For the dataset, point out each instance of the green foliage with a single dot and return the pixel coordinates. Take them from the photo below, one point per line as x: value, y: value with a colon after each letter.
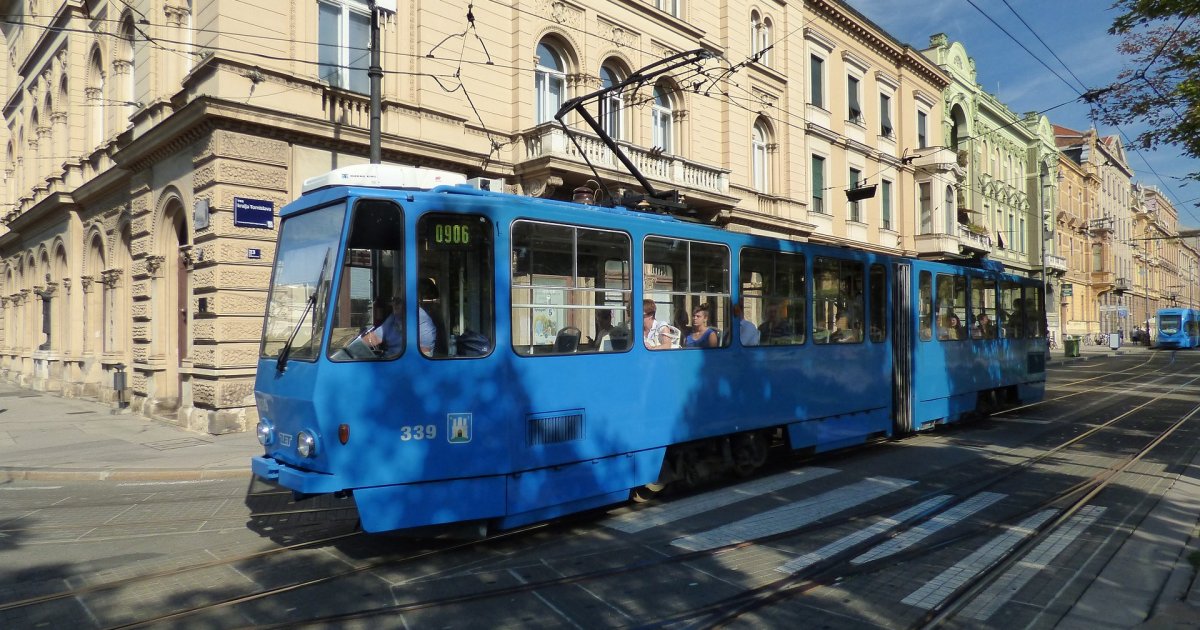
x: 1160, y: 88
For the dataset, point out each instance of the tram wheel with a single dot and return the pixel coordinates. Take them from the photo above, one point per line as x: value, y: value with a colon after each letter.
x: 750, y: 453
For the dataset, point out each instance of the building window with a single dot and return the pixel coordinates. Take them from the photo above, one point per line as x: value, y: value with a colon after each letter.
x: 922, y: 139
x: 612, y: 106
x: 759, y: 157
x: 925, y: 190
x: 661, y: 119
x: 886, y: 205
x: 760, y: 38
x: 1023, y: 244
x: 344, y: 32
x: 854, y: 109
x: 549, y: 83
x: 885, y: 115
x: 855, y: 206
x: 670, y: 6
x: 818, y: 184
x: 951, y: 214
x: 816, y: 77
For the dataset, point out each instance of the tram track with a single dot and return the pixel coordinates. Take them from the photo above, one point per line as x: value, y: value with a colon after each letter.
x: 177, y: 615
x: 802, y: 581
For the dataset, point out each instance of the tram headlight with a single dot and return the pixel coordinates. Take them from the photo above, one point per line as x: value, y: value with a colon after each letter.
x: 266, y: 433
x: 306, y: 444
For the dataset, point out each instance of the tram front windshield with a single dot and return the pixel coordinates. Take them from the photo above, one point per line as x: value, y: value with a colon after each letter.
x: 304, y: 259
x: 1168, y: 324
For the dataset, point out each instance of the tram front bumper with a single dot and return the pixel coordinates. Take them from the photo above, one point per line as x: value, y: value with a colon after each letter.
x: 301, y: 481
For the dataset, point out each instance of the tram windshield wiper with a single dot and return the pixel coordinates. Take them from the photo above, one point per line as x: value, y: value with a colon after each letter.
x: 286, y: 350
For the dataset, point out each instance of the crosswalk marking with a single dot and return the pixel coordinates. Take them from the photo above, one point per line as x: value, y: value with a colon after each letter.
x: 662, y: 514
x: 999, y: 593
x: 836, y: 547
x: 792, y: 516
x: 936, y: 591
x: 930, y: 527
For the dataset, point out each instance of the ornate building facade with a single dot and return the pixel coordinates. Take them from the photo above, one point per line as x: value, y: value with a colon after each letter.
x: 1007, y: 184
x: 135, y: 132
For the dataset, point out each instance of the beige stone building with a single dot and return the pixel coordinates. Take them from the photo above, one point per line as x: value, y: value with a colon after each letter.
x: 1165, y: 266
x: 1120, y: 238
x: 135, y: 131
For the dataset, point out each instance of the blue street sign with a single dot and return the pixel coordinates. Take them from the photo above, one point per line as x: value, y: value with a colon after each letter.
x: 253, y: 253
x: 255, y: 213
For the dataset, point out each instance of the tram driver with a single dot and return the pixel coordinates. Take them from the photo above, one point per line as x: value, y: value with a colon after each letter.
x: 389, y: 335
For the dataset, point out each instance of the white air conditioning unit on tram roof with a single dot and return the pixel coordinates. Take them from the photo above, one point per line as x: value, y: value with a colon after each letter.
x: 384, y: 176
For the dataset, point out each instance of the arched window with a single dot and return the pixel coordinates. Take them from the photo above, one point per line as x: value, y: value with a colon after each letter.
x: 549, y: 82
x: 612, y: 106
x: 95, y: 100
x: 759, y: 157
x: 124, y: 64
x: 661, y: 119
x: 762, y: 40
x: 755, y: 27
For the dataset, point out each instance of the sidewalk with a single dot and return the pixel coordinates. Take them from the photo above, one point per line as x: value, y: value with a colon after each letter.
x: 44, y: 436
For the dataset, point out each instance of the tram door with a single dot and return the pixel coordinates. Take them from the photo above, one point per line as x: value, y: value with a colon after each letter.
x: 902, y: 349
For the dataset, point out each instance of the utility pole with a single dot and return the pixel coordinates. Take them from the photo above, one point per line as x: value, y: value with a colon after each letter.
x: 375, y: 73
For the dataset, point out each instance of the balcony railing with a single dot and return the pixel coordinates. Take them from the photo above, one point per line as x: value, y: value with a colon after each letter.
x: 1122, y: 285
x: 550, y: 141
x: 974, y: 240
x: 1056, y: 264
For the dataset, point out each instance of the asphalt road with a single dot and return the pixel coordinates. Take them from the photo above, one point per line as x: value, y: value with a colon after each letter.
x: 1066, y: 514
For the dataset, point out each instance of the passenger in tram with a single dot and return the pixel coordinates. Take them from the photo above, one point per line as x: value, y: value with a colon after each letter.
x: 957, y: 331
x: 774, y: 328
x: 984, y: 328
x: 603, y: 329
x: 703, y: 335
x: 844, y: 331
x: 747, y: 332
x: 659, y: 335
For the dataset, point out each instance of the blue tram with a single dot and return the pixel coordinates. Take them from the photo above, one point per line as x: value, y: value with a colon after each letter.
x: 1178, y: 328
x: 519, y: 383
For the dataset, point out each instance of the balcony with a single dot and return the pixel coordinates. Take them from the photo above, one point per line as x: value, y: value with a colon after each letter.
x: 962, y: 243
x: 974, y: 241
x: 547, y: 148
x: 1056, y: 265
x: 1122, y: 285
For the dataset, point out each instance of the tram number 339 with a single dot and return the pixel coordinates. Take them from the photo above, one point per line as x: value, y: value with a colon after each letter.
x: 418, y: 432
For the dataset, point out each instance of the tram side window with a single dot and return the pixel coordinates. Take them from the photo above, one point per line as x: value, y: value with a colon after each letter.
x: 773, y: 296
x: 456, y: 297
x: 925, y: 304
x: 838, y: 290
x: 952, y: 307
x: 570, y: 289
x: 1011, y: 313
x: 371, y: 293
x: 682, y: 276
x: 879, y: 303
x: 983, y: 301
